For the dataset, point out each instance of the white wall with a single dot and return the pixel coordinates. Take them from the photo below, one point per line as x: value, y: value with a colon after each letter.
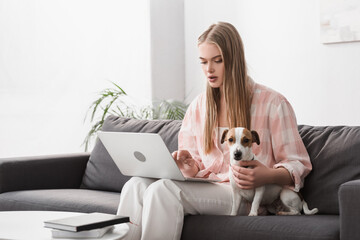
x: 55, y: 56
x: 167, y: 49
x: 283, y: 50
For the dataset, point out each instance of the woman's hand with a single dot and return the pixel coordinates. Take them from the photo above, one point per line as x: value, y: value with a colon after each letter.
x: 185, y: 163
x: 256, y: 175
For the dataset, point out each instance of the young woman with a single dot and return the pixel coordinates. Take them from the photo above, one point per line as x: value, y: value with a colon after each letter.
x: 232, y: 99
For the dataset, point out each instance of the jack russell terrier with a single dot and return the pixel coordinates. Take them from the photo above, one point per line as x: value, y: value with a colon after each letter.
x: 240, y: 142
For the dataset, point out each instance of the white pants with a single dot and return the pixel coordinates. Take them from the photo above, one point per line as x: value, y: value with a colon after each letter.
x: 157, y: 207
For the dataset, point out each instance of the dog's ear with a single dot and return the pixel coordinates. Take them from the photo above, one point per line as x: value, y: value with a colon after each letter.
x: 255, y: 137
x: 224, y: 136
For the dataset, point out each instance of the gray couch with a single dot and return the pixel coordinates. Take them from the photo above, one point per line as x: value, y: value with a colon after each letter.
x: 91, y: 182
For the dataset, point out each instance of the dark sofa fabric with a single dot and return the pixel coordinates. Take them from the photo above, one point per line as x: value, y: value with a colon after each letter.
x: 317, y: 227
x: 68, y: 200
x: 334, y: 153
x: 349, y: 195
x: 42, y: 172
x: 101, y: 171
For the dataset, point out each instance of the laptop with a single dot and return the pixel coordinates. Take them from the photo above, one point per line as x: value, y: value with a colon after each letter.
x: 143, y: 155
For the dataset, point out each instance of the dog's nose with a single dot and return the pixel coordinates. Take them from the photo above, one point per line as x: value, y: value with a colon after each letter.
x: 237, y: 155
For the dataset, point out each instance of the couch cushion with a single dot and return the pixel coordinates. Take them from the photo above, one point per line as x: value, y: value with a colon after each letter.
x: 71, y: 200
x: 334, y: 153
x: 101, y: 172
x: 316, y: 227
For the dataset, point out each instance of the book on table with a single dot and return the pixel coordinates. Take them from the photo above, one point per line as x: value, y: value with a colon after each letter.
x: 95, y: 233
x: 87, y: 221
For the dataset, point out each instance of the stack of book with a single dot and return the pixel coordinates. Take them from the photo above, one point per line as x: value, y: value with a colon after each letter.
x: 92, y: 225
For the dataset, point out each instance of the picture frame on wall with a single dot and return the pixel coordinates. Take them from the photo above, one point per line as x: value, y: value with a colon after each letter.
x: 339, y: 21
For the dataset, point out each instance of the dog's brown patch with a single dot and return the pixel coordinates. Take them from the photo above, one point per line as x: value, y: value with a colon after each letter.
x: 229, y: 136
x: 223, y: 138
x: 255, y: 137
x: 246, y: 138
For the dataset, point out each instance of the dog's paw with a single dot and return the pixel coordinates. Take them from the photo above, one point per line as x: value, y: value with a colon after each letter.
x: 252, y: 214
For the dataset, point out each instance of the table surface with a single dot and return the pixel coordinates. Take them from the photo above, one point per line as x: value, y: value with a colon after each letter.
x: 30, y: 225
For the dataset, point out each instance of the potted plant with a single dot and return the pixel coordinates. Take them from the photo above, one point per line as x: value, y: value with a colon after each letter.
x: 113, y: 101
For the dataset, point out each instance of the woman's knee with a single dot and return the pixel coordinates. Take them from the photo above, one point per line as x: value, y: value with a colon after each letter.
x: 162, y: 187
x: 137, y: 183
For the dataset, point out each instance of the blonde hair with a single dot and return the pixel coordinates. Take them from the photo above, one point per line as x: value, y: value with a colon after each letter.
x: 235, y: 81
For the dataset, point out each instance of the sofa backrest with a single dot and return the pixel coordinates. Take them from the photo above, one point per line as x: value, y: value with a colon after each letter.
x: 101, y: 172
x: 335, y: 156
x: 334, y: 153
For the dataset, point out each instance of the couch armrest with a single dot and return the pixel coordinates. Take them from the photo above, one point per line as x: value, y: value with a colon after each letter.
x: 42, y: 172
x: 349, y: 195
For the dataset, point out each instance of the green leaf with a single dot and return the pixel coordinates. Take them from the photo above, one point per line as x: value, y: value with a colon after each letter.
x: 110, y: 101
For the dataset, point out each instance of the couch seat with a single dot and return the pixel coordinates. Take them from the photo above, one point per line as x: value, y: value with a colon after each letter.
x: 315, y: 227
x: 72, y: 200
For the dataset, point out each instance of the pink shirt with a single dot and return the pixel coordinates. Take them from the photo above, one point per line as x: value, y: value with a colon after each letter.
x: 271, y: 116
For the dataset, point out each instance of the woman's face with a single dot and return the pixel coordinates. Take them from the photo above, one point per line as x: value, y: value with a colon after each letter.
x: 212, y: 64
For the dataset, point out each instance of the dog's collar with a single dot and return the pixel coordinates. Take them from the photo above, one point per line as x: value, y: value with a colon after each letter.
x: 253, y: 158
